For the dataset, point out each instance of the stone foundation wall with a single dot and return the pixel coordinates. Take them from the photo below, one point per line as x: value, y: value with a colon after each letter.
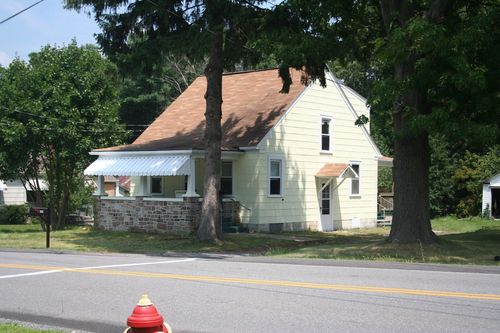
x: 148, y: 215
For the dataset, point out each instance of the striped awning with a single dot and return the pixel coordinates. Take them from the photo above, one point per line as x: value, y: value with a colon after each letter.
x: 170, y: 165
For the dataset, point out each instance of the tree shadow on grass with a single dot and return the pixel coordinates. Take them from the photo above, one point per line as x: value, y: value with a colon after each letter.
x: 11, y: 229
x: 486, y: 234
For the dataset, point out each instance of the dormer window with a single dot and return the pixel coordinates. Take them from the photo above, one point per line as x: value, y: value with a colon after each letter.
x: 326, y: 134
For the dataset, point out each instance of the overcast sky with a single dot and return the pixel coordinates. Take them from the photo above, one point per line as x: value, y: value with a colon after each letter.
x: 46, y: 23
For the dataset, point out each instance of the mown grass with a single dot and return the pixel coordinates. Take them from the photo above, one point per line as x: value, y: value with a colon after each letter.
x: 89, y: 240
x: 15, y: 328
x: 461, y: 241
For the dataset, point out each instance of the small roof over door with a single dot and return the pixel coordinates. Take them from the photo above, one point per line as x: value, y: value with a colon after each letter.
x: 336, y: 170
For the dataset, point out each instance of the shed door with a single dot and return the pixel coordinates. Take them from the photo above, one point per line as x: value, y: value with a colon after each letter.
x: 325, y: 206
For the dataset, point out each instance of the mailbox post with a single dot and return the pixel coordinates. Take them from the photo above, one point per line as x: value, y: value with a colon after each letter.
x: 44, y: 214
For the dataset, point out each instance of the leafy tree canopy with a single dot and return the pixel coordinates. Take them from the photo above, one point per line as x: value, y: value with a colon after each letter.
x: 55, y: 108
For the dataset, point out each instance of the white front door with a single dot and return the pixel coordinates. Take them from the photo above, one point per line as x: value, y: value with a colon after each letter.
x: 325, y: 207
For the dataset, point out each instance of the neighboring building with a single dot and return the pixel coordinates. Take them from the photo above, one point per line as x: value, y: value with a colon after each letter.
x: 117, y: 186
x: 491, y: 196
x: 291, y: 161
x: 13, y: 192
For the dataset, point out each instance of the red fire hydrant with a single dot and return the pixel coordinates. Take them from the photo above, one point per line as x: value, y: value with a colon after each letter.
x: 146, y: 319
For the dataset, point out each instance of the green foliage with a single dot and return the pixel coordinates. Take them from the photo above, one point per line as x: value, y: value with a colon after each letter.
x: 144, y: 97
x: 13, y: 214
x: 80, y: 197
x: 54, y: 110
x: 385, y: 180
x: 442, y: 196
x: 473, y: 169
x: 486, y: 212
x: 456, y: 64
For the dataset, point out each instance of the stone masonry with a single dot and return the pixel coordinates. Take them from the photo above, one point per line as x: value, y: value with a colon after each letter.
x: 147, y: 215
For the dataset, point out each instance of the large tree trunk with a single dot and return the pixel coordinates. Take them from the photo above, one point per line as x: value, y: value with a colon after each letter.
x: 411, y: 219
x: 210, y: 215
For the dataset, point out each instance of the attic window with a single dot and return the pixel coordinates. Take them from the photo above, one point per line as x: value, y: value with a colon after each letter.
x: 326, y: 134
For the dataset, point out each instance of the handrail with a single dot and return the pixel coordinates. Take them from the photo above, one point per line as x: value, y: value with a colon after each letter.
x: 242, y: 205
x: 389, y: 205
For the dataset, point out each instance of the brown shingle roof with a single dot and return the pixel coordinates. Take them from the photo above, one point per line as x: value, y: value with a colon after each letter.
x: 332, y: 170
x: 252, y: 104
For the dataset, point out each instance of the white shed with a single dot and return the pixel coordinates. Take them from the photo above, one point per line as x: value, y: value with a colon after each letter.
x: 13, y: 192
x: 491, y: 196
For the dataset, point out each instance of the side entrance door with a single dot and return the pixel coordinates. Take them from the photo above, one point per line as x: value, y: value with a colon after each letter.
x: 325, y: 206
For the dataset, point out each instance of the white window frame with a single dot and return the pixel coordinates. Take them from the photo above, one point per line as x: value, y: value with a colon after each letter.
x: 232, y: 177
x: 281, y: 177
x: 330, y: 141
x: 358, y: 163
x: 151, y: 186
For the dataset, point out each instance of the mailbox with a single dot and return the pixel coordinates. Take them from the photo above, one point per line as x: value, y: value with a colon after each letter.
x: 42, y: 212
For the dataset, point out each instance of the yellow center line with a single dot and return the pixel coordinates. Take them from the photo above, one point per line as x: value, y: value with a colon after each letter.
x: 262, y: 282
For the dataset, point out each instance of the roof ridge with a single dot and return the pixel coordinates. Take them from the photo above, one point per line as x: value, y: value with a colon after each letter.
x: 249, y: 71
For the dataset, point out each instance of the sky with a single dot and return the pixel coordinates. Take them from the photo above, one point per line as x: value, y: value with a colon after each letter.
x: 46, y: 23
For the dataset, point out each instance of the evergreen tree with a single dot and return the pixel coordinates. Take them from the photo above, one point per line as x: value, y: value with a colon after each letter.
x: 140, y: 32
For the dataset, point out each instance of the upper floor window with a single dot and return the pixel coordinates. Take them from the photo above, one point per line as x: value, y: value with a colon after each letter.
x: 355, y: 181
x: 326, y: 134
x: 275, y: 171
x: 226, y: 178
x: 156, y: 186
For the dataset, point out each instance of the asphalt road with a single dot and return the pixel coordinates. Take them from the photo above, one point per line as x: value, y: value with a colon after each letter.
x: 221, y: 294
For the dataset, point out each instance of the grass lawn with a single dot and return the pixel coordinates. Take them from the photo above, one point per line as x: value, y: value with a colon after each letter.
x: 89, y: 240
x: 461, y: 241
x: 15, y: 328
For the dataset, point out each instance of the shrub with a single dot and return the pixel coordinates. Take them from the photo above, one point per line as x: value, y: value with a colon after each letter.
x: 13, y: 214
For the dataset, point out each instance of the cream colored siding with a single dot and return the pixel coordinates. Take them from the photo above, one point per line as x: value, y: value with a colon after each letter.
x: 297, y: 138
x: 172, y: 184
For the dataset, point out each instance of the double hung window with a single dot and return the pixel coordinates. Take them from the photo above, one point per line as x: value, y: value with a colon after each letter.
x: 355, y: 181
x: 226, y: 178
x: 275, y: 171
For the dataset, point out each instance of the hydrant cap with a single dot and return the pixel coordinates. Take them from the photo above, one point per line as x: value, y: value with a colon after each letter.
x: 145, y: 315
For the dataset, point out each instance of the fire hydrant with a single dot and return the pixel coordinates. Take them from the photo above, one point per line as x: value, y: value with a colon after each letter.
x: 146, y: 319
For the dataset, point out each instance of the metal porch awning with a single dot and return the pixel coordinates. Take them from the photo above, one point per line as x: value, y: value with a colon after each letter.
x: 171, y: 165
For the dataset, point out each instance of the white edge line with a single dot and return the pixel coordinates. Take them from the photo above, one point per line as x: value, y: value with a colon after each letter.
x: 136, y: 264
x: 30, y: 274
x: 96, y: 267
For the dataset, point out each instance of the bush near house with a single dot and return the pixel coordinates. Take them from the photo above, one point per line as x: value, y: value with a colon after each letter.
x: 13, y: 214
